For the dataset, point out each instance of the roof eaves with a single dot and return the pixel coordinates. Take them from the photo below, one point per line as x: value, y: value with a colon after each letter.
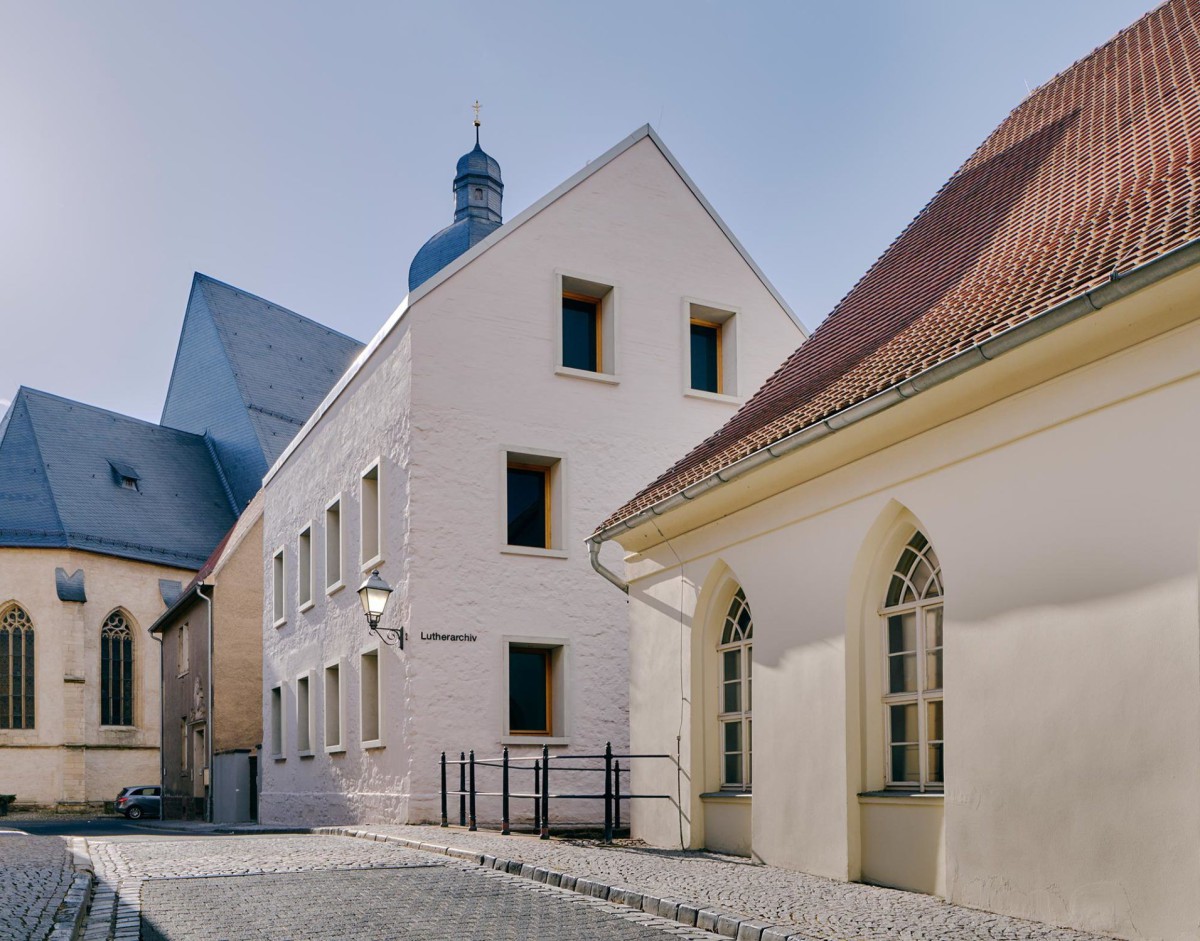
x: 593, y: 167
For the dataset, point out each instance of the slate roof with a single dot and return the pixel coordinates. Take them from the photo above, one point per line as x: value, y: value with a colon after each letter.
x: 1093, y: 174
x: 59, y: 486
x: 248, y: 374
x: 446, y: 245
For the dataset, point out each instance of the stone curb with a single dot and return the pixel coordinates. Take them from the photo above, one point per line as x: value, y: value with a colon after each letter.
x: 70, y: 918
x: 690, y: 914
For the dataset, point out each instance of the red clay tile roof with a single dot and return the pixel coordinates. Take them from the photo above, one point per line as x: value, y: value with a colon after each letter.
x: 1094, y: 173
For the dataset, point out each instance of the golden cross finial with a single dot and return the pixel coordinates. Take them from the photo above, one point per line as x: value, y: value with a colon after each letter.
x: 476, y: 108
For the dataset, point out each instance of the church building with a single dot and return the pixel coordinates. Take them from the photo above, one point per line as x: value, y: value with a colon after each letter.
x: 537, y: 370
x: 104, y: 518
x: 927, y: 608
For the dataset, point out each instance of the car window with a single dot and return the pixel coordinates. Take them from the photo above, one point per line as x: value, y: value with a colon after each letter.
x: 154, y: 792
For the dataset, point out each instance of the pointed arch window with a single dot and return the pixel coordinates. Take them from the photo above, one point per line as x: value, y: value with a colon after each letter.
x: 16, y: 669
x: 734, y: 656
x: 116, y: 671
x: 912, y: 641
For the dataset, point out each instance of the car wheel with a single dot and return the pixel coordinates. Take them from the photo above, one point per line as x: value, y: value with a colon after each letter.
x: 134, y: 813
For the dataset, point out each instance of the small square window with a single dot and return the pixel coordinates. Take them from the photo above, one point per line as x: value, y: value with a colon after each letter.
x: 333, y: 545
x: 586, y: 328
x: 277, y: 596
x: 372, y: 518
x: 304, y: 569
x: 711, y: 350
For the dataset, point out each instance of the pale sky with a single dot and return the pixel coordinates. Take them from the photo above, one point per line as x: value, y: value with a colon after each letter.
x: 304, y: 151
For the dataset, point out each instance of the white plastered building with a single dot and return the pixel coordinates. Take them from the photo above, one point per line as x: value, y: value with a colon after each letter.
x: 522, y: 388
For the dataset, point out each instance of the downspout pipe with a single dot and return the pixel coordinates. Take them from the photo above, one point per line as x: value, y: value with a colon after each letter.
x: 1118, y: 287
x: 208, y: 712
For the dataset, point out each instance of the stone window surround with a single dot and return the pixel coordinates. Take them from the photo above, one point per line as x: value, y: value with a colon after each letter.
x: 335, y: 506
x: 608, y: 293
x: 727, y: 317
x: 556, y: 462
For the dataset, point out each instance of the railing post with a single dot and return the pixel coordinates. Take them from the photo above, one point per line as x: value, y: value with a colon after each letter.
x: 445, y: 819
x: 537, y: 795
x: 504, y: 829
x: 616, y: 795
x: 545, y: 834
x: 608, y: 816
x: 472, y: 789
x: 462, y: 788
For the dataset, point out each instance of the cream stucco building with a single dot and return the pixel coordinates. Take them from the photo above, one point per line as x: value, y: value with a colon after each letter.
x: 927, y: 609
x: 536, y: 370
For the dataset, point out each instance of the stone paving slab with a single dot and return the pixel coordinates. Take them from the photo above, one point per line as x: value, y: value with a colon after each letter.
x: 36, y: 876
x: 304, y: 888
x: 729, y: 895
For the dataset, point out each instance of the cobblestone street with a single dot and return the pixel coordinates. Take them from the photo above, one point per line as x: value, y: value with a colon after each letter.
x: 321, y: 888
x: 35, y: 873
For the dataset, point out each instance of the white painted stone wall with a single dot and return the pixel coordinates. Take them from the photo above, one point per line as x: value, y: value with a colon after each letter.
x: 68, y: 757
x: 1066, y: 516
x: 468, y: 373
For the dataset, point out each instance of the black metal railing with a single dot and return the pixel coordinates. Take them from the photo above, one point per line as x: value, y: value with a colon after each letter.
x: 540, y: 794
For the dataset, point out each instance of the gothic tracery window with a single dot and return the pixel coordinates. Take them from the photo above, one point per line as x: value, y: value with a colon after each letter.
x: 116, y: 671
x: 912, y: 625
x: 16, y: 669
x: 734, y: 710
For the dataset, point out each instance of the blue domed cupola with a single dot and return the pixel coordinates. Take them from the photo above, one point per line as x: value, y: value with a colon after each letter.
x: 478, y: 191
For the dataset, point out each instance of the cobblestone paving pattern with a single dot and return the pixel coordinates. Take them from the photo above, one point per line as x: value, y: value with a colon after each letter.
x: 35, y: 873
x: 817, y: 908
x: 305, y: 888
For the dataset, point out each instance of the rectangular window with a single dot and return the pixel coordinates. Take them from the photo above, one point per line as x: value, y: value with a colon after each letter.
x: 182, y: 650
x: 303, y: 717
x: 333, y: 545
x: 372, y: 724
x: 277, y: 597
x: 706, y: 356
x: 371, y: 550
x: 711, y: 349
x: 277, y: 722
x: 582, y: 336
x: 333, y: 708
x: 530, y: 693
x: 529, y: 506
x: 304, y: 569
x: 183, y: 745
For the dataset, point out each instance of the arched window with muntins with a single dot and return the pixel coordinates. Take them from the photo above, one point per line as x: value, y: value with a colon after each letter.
x: 16, y: 669
x: 734, y: 654
x: 912, y: 701
x: 116, y: 671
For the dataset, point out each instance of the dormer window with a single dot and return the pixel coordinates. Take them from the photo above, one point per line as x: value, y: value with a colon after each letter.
x: 124, y: 475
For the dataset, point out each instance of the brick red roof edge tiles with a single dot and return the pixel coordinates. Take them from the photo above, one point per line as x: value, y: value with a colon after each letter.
x: 1094, y: 173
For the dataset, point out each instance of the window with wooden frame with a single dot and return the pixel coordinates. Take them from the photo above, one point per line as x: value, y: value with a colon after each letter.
x: 528, y: 505
x: 582, y: 332
x: 735, y: 700
x: 530, y: 690
x: 912, y: 683
x: 706, y: 356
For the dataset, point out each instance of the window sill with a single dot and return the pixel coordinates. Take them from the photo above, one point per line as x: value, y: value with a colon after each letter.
x: 901, y: 797
x: 335, y: 749
x: 370, y: 564
x: 307, y: 606
x: 572, y: 373
x: 118, y: 728
x: 334, y: 588
x: 280, y: 623
x: 727, y: 797
x: 535, y: 740
x: 373, y: 744
x: 279, y: 758
x: 712, y: 396
x: 533, y: 550
x: 306, y: 754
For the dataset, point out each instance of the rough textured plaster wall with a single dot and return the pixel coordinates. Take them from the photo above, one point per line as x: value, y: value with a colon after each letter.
x: 371, y: 420
x: 68, y: 645
x: 1066, y: 521
x: 484, y: 379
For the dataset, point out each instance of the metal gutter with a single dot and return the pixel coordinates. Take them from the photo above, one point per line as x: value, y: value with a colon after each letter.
x: 1120, y: 286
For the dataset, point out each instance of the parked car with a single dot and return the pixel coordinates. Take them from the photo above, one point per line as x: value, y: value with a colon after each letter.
x: 140, y: 801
